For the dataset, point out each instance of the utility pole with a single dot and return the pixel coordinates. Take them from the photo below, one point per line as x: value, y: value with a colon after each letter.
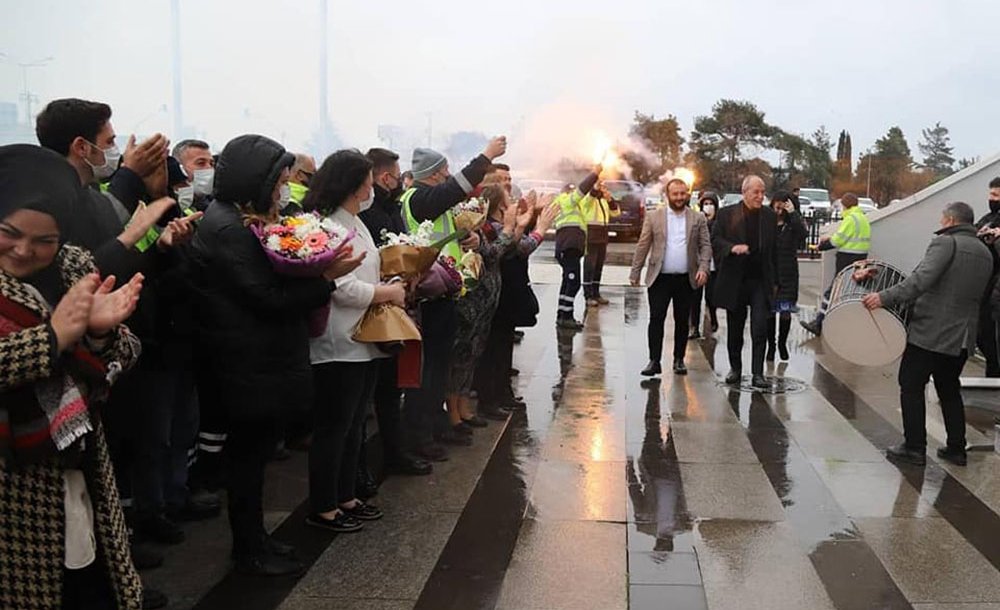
x: 175, y: 43
x: 868, y: 189
x: 26, y: 95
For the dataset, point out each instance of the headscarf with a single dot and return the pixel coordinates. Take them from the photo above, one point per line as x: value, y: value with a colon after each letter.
x: 35, y: 178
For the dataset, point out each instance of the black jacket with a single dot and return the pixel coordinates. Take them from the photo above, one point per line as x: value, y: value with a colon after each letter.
x: 730, y: 230
x: 251, y: 320
x: 789, y: 239
x: 384, y: 215
x: 429, y: 202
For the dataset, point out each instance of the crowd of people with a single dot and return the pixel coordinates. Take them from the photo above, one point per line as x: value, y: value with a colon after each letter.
x: 152, y: 357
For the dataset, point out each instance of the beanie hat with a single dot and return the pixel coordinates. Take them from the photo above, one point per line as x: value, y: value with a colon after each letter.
x: 426, y: 162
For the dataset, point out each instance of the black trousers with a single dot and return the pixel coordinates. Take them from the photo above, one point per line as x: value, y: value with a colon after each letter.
x: 709, y: 291
x: 915, y: 370
x: 388, y: 398
x: 754, y: 297
x: 343, y: 393
x: 88, y: 588
x: 249, y: 446
x: 669, y: 287
x: 569, y: 260
x: 492, y: 378
x: 988, y: 341
x: 213, y: 426
x: 423, y: 407
x: 593, y: 269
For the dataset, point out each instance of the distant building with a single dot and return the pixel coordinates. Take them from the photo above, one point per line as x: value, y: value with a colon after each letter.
x: 12, y: 129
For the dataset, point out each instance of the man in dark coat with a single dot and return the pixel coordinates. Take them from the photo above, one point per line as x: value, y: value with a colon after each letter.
x: 988, y: 227
x: 252, y: 324
x: 743, y: 241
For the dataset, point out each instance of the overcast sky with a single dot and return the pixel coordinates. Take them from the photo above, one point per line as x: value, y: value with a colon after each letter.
x: 508, y: 66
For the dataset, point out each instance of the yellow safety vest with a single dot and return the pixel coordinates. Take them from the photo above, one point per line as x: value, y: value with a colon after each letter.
x: 597, y: 211
x: 854, y: 234
x: 297, y: 193
x: 570, y: 211
x: 444, y: 225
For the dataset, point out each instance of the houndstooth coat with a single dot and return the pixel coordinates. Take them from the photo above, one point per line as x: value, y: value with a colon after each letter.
x: 32, y: 517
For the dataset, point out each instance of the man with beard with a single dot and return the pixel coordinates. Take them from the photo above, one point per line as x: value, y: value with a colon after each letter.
x: 679, y: 249
x: 988, y: 229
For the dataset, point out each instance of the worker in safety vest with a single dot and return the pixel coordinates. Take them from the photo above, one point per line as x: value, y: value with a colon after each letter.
x: 571, y: 245
x: 434, y: 192
x: 298, y: 183
x: 598, y: 210
x: 852, y: 241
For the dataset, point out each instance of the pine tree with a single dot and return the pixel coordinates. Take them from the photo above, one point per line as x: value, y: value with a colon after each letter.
x: 937, y: 150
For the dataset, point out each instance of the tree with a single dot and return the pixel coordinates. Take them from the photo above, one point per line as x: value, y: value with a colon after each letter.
x: 842, y: 166
x: 967, y: 162
x: 721, y: 141
x: 662, y: 136
x: 937, y: 151
x: 889, y: 165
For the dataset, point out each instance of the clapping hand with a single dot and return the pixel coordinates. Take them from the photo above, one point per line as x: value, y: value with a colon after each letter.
x: 547, y: 217
x: 72, y: 314
x: 109, y: 308
x: 179, y: 231
x: 741, y: 249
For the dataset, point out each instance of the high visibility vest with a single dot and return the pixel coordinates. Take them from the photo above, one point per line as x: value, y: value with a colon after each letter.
x: 570, y: 211
x: 444, y: 225
x: 854, y: 234
x: 597, y: 211
x: 297, y: 193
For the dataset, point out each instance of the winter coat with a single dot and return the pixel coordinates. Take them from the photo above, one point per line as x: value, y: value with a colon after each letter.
x: 251, y: 320
x: 384, y: 215
x: 32, y: 498
x: 789, y: 239
x: 730, y: 230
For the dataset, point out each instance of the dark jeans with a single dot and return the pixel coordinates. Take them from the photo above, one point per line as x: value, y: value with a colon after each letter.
x: 669, y: 287
x: 387, y: 397
x: 492, y: 378
x: 709, y: 291
x: 249, y: 446
x: 163, y: 435
x: 569, y: 260
x: 593, y: 268
x: 988, y: 341
x: 915, y: 370
x: 87, y: 588
x: 343, y: 393
x: 752, y: 295
x: 423, y: 407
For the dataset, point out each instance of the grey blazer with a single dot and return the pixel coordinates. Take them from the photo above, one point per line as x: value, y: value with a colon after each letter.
x: 653, y: 242
x: 946, y: 290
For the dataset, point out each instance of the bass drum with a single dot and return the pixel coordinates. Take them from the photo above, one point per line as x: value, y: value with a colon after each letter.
x: 855, y: 333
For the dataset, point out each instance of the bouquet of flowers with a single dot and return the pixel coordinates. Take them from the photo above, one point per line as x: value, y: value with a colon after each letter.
x: 470, y: 214
x: 304, y: 246
x: 408, y: 255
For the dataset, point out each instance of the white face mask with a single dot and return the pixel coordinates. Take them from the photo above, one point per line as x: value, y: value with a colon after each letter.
x: 185, y: 197
x: 284, y: 196
x: 709, y: 208
x: 203, y: 181
x: 367, y: 203
x: 111, y: 158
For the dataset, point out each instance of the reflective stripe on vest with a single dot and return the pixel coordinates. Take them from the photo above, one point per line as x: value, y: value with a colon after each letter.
x: 854, y: 235
x: 570, y: 214
x: 444, y: 225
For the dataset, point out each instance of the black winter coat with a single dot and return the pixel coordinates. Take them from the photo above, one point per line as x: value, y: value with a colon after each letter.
x: 251, y: 321
x: 384, y: 215
x: 790, y: 237
x: 730, y: 230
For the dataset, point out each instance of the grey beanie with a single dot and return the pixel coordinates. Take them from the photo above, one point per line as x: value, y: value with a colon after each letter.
x: 426, y: 162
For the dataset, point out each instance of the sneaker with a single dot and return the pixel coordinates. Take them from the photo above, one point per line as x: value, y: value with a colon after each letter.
x: 363, y: 512
x: 342, y: 523
x: 902, y: 453
x: 957, y: 457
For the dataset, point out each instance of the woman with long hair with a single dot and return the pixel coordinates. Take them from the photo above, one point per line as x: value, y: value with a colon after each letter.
x: 709, y: 204
x: 791, y: 233
x: 345, y: 370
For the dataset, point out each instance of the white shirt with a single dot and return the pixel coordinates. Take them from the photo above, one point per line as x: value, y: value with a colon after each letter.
x: 350, y: 301
x: 675, y: 255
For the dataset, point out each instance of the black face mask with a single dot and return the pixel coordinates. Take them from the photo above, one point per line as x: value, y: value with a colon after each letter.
x: 397, y: 192
x: 994, y: 206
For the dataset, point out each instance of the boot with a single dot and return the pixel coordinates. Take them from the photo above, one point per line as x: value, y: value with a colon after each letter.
x: 784, y: 326
x: 770, y: 339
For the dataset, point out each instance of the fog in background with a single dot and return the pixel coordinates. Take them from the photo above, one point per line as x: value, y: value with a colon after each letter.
x: 408, y: 73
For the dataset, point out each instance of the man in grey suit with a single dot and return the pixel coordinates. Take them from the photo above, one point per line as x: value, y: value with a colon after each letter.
x: 679, y: 248
x: 945, y: 291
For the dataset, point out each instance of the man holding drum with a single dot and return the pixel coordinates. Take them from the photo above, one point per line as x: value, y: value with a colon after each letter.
x: 945, y: 291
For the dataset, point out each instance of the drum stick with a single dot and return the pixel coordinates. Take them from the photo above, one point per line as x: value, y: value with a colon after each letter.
x: 885, y: 341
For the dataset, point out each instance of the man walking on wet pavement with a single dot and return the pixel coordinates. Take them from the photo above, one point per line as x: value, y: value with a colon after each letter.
x: 945, y: 291
x: 679, y: 249
x: 743, y: 240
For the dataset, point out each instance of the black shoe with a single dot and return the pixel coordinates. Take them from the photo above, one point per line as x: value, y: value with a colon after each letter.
x: 204, y: 497
x: 494, y: 413
x: 902, y: 453
x: 463, y: 429
x: 274, y: 547
x: 694, y: 334
x: 153, y: 599
x: 518, y: 334
x: 457, y: 439
x: 783, y: 351
x: 760, y: 382
x: 513, y: 372
x: 518, y: 338
x: 365, y: 486
x: 267, y: 564
x: 514, y: 404
x: 653, y: 368
x: 569, y: 324
x: 814, y: 327
x: 734, y: 377
x: 769, y: 356
x: 145, y: 557
x: 957, y: 457
x: 409, y: 466
x: 363, y: 512
x: 476, y: 422
x: 159, y: 529
x: 432, y: 452
x: 342, y: 523
x: 679, y: 367
x: 194, y: 511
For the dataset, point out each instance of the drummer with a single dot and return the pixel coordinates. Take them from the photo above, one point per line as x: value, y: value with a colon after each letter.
x: 945, y: 291
x: 852, y: 241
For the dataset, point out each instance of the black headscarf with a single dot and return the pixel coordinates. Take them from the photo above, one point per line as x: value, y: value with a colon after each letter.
x: 35, y: 178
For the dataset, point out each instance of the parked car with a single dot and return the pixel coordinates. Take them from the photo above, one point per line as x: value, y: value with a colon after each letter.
x: 730, y: 199
x: 631, y: 200
x: 819, y: 203
x: 542, y: 187
x: 867, y: 206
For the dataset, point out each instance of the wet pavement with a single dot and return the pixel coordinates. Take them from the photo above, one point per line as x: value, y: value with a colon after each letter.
x: 611, y: 491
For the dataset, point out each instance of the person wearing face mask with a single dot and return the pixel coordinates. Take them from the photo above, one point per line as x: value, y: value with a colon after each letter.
x: 345, y: 370
x: 792, y: 233
x: 195, y: 157
x: 944, y: 293
x: 384, y: 216
x: 709, y: 204
x: 988, y: 230
x: 434, y: 192
x: 252, y: 330
x: 298, y: 184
